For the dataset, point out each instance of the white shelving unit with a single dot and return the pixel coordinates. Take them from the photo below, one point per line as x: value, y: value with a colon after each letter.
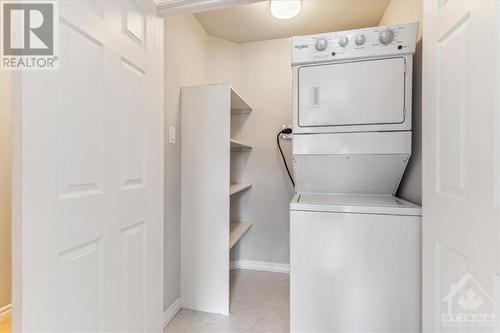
x: 237, y: 230
x: 207, y: 235
x: 238, y: 104
x: 238, y: 146
x: 238, y: 188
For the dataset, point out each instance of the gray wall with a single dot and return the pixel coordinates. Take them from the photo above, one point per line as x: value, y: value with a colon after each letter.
x: 266, y: 84
x: 185, y: 53
x: 191, y: 58
x: 399, y: 11
x: 261, y: 73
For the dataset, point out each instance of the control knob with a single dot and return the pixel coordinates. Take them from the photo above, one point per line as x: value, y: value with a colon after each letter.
x: 360, y: 39
x: 344, y: 41
x: 386, y: 36
x: 321, y: 44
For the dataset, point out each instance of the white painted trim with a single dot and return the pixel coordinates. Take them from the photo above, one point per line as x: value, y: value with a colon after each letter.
x: 160, y: 102
x: 5, y: 310
x: 260, y: 266
x: 16, y: 197
x: 170, y: 313
x: 178, y: 7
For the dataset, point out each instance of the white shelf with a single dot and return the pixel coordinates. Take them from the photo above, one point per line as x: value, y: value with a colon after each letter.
x: 237, y: 188
x: 238, y: 146
x: 217, y: 106
x: 237, y: 230
x: 238, y: 104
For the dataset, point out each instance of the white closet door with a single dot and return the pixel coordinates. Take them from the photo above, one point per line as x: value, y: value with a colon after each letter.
x: 460, y: 169
x: 88, y: 226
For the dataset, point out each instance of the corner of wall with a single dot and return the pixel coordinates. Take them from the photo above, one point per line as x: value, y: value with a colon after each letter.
x: 400, y: 12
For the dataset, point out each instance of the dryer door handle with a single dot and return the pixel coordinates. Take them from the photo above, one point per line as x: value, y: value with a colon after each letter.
x: 314, y: 97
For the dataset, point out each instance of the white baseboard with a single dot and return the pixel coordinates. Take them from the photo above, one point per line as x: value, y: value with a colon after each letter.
x: 260, y: 266
x: 170, y: 313
x: 5, y: 310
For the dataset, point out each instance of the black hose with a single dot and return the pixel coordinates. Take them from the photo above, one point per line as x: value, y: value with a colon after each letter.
x: 285, y: 131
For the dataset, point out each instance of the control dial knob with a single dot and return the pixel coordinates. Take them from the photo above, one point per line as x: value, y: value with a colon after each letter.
x: 321, y: 44
x: 360, y: 39
x: 386, y: 36
x: 344, y: 41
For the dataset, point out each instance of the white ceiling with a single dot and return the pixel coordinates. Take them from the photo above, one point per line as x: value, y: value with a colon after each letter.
x: 254, y: 22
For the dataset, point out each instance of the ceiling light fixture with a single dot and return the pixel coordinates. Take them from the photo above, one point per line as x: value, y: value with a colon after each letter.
x: 285, y: 9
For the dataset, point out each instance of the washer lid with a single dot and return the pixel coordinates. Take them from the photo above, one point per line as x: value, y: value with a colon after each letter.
x: 361, y: 204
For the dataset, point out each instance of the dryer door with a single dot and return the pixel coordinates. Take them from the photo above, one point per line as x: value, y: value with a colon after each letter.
x: 366, y: 92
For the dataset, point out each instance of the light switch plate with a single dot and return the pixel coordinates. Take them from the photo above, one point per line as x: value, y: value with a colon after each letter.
x: 171, y: 135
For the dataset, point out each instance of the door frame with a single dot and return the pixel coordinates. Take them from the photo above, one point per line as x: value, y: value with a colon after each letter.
x: 181, y: 7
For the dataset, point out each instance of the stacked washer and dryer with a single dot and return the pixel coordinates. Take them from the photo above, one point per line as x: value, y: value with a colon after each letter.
x: 355, y: 261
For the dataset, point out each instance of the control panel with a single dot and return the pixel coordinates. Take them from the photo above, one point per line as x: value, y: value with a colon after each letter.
x: 361, y: 43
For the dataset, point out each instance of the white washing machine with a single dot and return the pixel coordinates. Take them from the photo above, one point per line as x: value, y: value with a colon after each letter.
x: 355, y: 257
x: 355, y: 264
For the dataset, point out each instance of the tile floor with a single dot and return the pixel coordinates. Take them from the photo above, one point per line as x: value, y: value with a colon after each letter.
x: 259, y: 303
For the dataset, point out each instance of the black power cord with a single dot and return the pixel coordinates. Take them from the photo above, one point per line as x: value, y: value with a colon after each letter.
x: 285, y: 131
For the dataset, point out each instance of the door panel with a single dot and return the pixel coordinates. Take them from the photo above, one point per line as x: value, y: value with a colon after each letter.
x: 460, y: 212
x: 133, y: 125
x: 80, y: 112
x: 329, y: 95
x: 91, y: 185
x: 452, y: 110
x: 81, y: 270
x: 133, y: 272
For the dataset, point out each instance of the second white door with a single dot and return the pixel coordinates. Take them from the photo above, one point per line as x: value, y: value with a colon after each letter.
x: 460, y: 165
